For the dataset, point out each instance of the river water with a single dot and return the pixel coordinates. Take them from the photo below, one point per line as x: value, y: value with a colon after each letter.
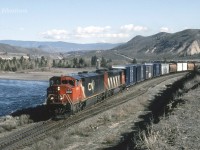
x: 19, y: 94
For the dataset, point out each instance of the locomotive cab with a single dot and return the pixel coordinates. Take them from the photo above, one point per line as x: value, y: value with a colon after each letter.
x: 61, y: 90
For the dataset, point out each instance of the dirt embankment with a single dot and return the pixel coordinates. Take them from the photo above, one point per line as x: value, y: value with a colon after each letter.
x: 106, y: 129
x: 178, y: 127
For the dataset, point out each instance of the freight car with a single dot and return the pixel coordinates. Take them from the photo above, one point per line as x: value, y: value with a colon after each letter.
x: 130, y: 73
x: 172, y: 67
x: 149, y: 70
x: 164, y: 68
x: 76, y: 91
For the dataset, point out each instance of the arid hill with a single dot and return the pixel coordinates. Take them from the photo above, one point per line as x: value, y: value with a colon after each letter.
x: 181, y: 43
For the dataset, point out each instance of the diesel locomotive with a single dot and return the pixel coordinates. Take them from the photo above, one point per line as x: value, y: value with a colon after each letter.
x: 74, y: 92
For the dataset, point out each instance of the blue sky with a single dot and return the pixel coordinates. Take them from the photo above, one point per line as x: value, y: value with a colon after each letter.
x: 92, y: 21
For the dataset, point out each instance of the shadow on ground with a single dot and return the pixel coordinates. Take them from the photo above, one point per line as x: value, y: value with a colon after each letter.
x: 38, y: 113
x: 158, y: 107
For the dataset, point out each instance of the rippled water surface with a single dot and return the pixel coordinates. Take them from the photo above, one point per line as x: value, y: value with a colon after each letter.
x: 18, y: 94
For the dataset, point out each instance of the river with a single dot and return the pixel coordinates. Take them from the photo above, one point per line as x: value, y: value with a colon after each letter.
x: 19, y: 94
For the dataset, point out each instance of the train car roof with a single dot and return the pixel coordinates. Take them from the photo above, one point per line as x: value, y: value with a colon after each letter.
x: 119, y: 67
x: 54, y: 77
x: 84, y: 75
x: 148, y: 63
x: 114, y: 70
x: 124, y: 66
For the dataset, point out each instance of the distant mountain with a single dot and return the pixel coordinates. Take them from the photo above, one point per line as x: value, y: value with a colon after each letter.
x: 59, y: 46
x: 182, y: 43
x: 5, y: 48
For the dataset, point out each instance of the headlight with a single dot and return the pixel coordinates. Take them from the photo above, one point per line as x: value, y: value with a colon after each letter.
x: 58, y: 88
x: 52, y: 98
x: 69, y: 91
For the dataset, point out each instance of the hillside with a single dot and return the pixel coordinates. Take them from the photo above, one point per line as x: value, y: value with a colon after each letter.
x: 59, y: 46
x: 15, y: 49
x: 8, y: 52
x: 182, y: 43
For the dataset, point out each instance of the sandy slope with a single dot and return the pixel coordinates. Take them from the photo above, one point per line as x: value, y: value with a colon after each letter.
x: 41, y: 75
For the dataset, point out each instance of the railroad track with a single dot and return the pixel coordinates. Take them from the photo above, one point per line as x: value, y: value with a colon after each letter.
x: 30, y: 135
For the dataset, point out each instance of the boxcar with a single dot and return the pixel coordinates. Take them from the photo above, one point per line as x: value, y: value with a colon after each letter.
x: 143, y: 72
x: 139, y: 73
x: 185, y: 67
x: 134, y: 73
x: 190, y: 66
x: 149, y: 70
x: 130, y: 73
x: 156, y: 69
x: 172, y: 67
x: 179, y: 66
x: 164, y: 69
x: 197, y: 65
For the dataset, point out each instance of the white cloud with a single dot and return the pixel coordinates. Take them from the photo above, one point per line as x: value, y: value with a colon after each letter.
x: 92, y: 33
x: 55, y: 34
x: 97, y: 32
x: 115, y: 35
x: 131, y: 27
x: 164, y: 29
x: 103, y: 35
x: 92, y: 29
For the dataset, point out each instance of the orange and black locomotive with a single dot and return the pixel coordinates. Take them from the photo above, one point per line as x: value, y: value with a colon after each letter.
x: 76, y: 91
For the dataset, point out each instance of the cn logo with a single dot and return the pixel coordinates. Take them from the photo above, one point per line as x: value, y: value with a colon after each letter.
x: 91, y: 86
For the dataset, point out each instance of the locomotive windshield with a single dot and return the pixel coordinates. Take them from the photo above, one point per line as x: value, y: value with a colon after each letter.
x: 54, y: 81
x: 70, y: 82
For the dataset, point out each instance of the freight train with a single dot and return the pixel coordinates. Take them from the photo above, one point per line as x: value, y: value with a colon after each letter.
x: 74, y: 92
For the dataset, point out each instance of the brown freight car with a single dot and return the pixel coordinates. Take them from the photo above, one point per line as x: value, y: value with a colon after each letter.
x: 191, y: 66
x: 172, y: 67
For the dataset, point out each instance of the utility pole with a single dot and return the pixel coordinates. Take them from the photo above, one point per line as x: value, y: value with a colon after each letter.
x: 98, y: 64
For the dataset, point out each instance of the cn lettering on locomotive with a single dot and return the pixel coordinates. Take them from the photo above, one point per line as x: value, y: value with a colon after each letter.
x: 91, y: 86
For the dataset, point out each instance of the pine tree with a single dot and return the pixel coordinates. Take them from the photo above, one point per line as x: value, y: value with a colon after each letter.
x: 81, y: 62
x: 75, y: 61
x: 103, y: 62
x: 134, y: 61
x: 94, y: 60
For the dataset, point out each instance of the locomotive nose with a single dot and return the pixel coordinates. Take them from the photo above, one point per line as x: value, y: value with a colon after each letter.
x: 53, y: 90
x: 53, y: 94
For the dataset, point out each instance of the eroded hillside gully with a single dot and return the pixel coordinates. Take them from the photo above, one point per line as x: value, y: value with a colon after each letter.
x: 162, y: 104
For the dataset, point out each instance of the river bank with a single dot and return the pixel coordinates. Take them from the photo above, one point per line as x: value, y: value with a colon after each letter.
x: 40, y: 75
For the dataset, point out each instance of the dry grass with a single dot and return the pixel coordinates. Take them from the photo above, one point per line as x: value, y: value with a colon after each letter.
x: 8, y: 123
x: 56, y: 142
x: 110, y: 139
x: 180, y: 129
x: 84, y: 132
x: 193, y: 82
x: 168, y: 134
x: 149, y: 138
